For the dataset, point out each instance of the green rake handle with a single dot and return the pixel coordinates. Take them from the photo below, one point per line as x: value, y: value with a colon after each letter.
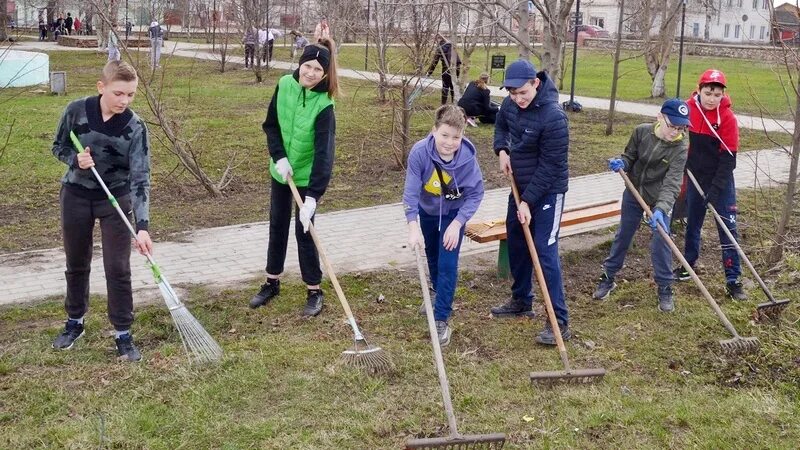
x: 675, y: 251
x: 151, y: 262
x: 733, y: 240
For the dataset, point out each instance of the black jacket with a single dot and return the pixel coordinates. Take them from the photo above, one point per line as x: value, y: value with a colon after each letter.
x: 444, y: 53
x: 476, y: 101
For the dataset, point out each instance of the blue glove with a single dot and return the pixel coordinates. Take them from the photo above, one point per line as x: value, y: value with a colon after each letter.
x: 616, y: 164
x: 658, y: 217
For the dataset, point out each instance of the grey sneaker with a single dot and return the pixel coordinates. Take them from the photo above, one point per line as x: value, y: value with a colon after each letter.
x: 547, y: 337
x: 432, y: 293
x: 126, y: 349
x: 313, y: 303
x: 666, y: 303
x: 604, y: 287
x: 443, y: 331
x: 72, y: 331
x: 735, y: 290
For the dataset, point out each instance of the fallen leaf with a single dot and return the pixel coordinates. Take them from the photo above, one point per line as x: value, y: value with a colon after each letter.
x: 528, y: 418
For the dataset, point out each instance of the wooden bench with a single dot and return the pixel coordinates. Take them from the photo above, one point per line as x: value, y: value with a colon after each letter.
x: 572, y: 219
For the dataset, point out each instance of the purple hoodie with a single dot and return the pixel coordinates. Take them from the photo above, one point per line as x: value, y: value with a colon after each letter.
x: 422, y: 181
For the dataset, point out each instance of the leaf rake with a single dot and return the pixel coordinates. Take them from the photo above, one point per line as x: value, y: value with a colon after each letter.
x: 454, y: 441
x: 568, y: 375
x: 367, y: 358
x: 771, y: 311
x: 200, y: 347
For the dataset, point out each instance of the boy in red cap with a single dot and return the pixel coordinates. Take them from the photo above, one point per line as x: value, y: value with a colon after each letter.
x: 713, y: 141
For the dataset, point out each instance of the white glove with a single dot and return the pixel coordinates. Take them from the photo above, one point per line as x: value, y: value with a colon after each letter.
x: 283, y: 168
x: 307, y: 212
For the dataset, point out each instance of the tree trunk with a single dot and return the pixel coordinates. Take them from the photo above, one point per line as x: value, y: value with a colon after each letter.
x: 615, y: 76
x: 3, y: 21
x: 776, y: 252
x: 658, y: 88
x: 523, y: 35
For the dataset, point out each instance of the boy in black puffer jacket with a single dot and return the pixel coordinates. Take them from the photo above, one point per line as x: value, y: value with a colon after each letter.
x: 531, y: 139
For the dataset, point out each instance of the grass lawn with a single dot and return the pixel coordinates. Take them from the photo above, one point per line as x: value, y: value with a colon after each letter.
x: 221, y: 115
x: 750, y: 83
x: 279, y: 385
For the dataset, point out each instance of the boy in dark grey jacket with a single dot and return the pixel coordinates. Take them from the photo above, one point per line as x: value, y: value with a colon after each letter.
x: 654, y: 160
x: 116, y: 144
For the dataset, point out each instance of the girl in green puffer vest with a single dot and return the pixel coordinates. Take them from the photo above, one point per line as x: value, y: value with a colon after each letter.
x: 300, y: 129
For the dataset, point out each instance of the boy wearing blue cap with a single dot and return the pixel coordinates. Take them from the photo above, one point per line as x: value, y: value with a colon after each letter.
x: 654, y: 159
x: 531, y: 140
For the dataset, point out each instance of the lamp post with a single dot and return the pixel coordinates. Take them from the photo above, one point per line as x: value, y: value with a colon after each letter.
x: 680, y: 52
x: 366, y: 46
x: 571, y: 105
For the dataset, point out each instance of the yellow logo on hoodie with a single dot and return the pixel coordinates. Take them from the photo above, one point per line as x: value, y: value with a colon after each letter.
x: 433, y: 185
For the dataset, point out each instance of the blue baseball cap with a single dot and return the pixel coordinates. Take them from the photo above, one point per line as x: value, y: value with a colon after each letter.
x: 676, y: 111
x: 518, y: 73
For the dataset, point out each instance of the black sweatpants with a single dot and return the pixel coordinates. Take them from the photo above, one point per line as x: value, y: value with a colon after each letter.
x: 447, y: 86
x: 78, y: 216
x: 280, y: 216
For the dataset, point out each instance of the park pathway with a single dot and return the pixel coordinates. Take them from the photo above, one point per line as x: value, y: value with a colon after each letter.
x: 361, y: 239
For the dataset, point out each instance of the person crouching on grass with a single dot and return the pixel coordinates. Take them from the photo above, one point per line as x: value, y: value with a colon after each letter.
x: 443, y: 189
x: 300, y: 129
x: 654, y: 160
x: 117, y: 146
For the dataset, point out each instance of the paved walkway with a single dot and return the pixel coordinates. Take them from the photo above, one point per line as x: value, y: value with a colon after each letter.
x: 238, y: 253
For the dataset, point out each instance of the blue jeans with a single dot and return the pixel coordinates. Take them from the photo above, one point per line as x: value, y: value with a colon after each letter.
x: 545, y: 226
x: 696, y: 213
x: 442, y: 264
x: 660, y: 254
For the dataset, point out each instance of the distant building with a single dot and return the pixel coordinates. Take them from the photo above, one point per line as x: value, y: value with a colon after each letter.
x: 787, y: 23
x: 727, y: 21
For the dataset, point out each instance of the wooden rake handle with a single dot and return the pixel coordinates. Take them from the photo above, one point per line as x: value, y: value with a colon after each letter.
x: 328, y: 268
x: 548, y: 303
x: 437, y: 349
x: 728, y: 233
x: 675, y: 251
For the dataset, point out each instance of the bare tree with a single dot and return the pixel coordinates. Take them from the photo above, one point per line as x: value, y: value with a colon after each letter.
x: 3, y: 21
x: 180, y: 147
x: 661, y: 15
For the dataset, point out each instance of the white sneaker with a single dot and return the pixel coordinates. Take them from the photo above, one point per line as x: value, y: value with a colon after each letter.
x: 444, y: 332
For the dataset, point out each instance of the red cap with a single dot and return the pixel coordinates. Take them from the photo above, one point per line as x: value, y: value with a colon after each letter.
x: 713, y: 76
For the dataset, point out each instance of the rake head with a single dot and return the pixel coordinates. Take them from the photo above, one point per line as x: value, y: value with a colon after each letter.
x: 740, y: 345
x: 578, y: 376
x: 200, y: 347
x: 475, y: 441
x: 772, y: 311
x: 368, y: 359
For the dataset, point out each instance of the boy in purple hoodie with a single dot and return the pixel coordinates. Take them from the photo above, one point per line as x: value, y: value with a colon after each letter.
x: 444, y: 187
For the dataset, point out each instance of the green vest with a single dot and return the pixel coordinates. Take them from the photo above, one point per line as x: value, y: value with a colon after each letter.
x: 297, y: 116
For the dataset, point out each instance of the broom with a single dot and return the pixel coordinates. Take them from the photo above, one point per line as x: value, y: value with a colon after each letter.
x: 764, y: 311
x: 363, y: 356
x: 568, y: 375
x: 454, y: 440
x: 736, y: 345
x: 199, y: 345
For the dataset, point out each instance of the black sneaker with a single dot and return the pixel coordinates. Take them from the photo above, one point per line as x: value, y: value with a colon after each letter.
x: 126, y: 349
x: 681, y: 274
x: 735, y: 290
x: 443, y: 332
x: 513, y: 308
x: 547, y: 337
x: 313, y: 303
x: 72, y: 331
x: 666, y: 302
x: 604, y: 287
x: 268, y: 290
